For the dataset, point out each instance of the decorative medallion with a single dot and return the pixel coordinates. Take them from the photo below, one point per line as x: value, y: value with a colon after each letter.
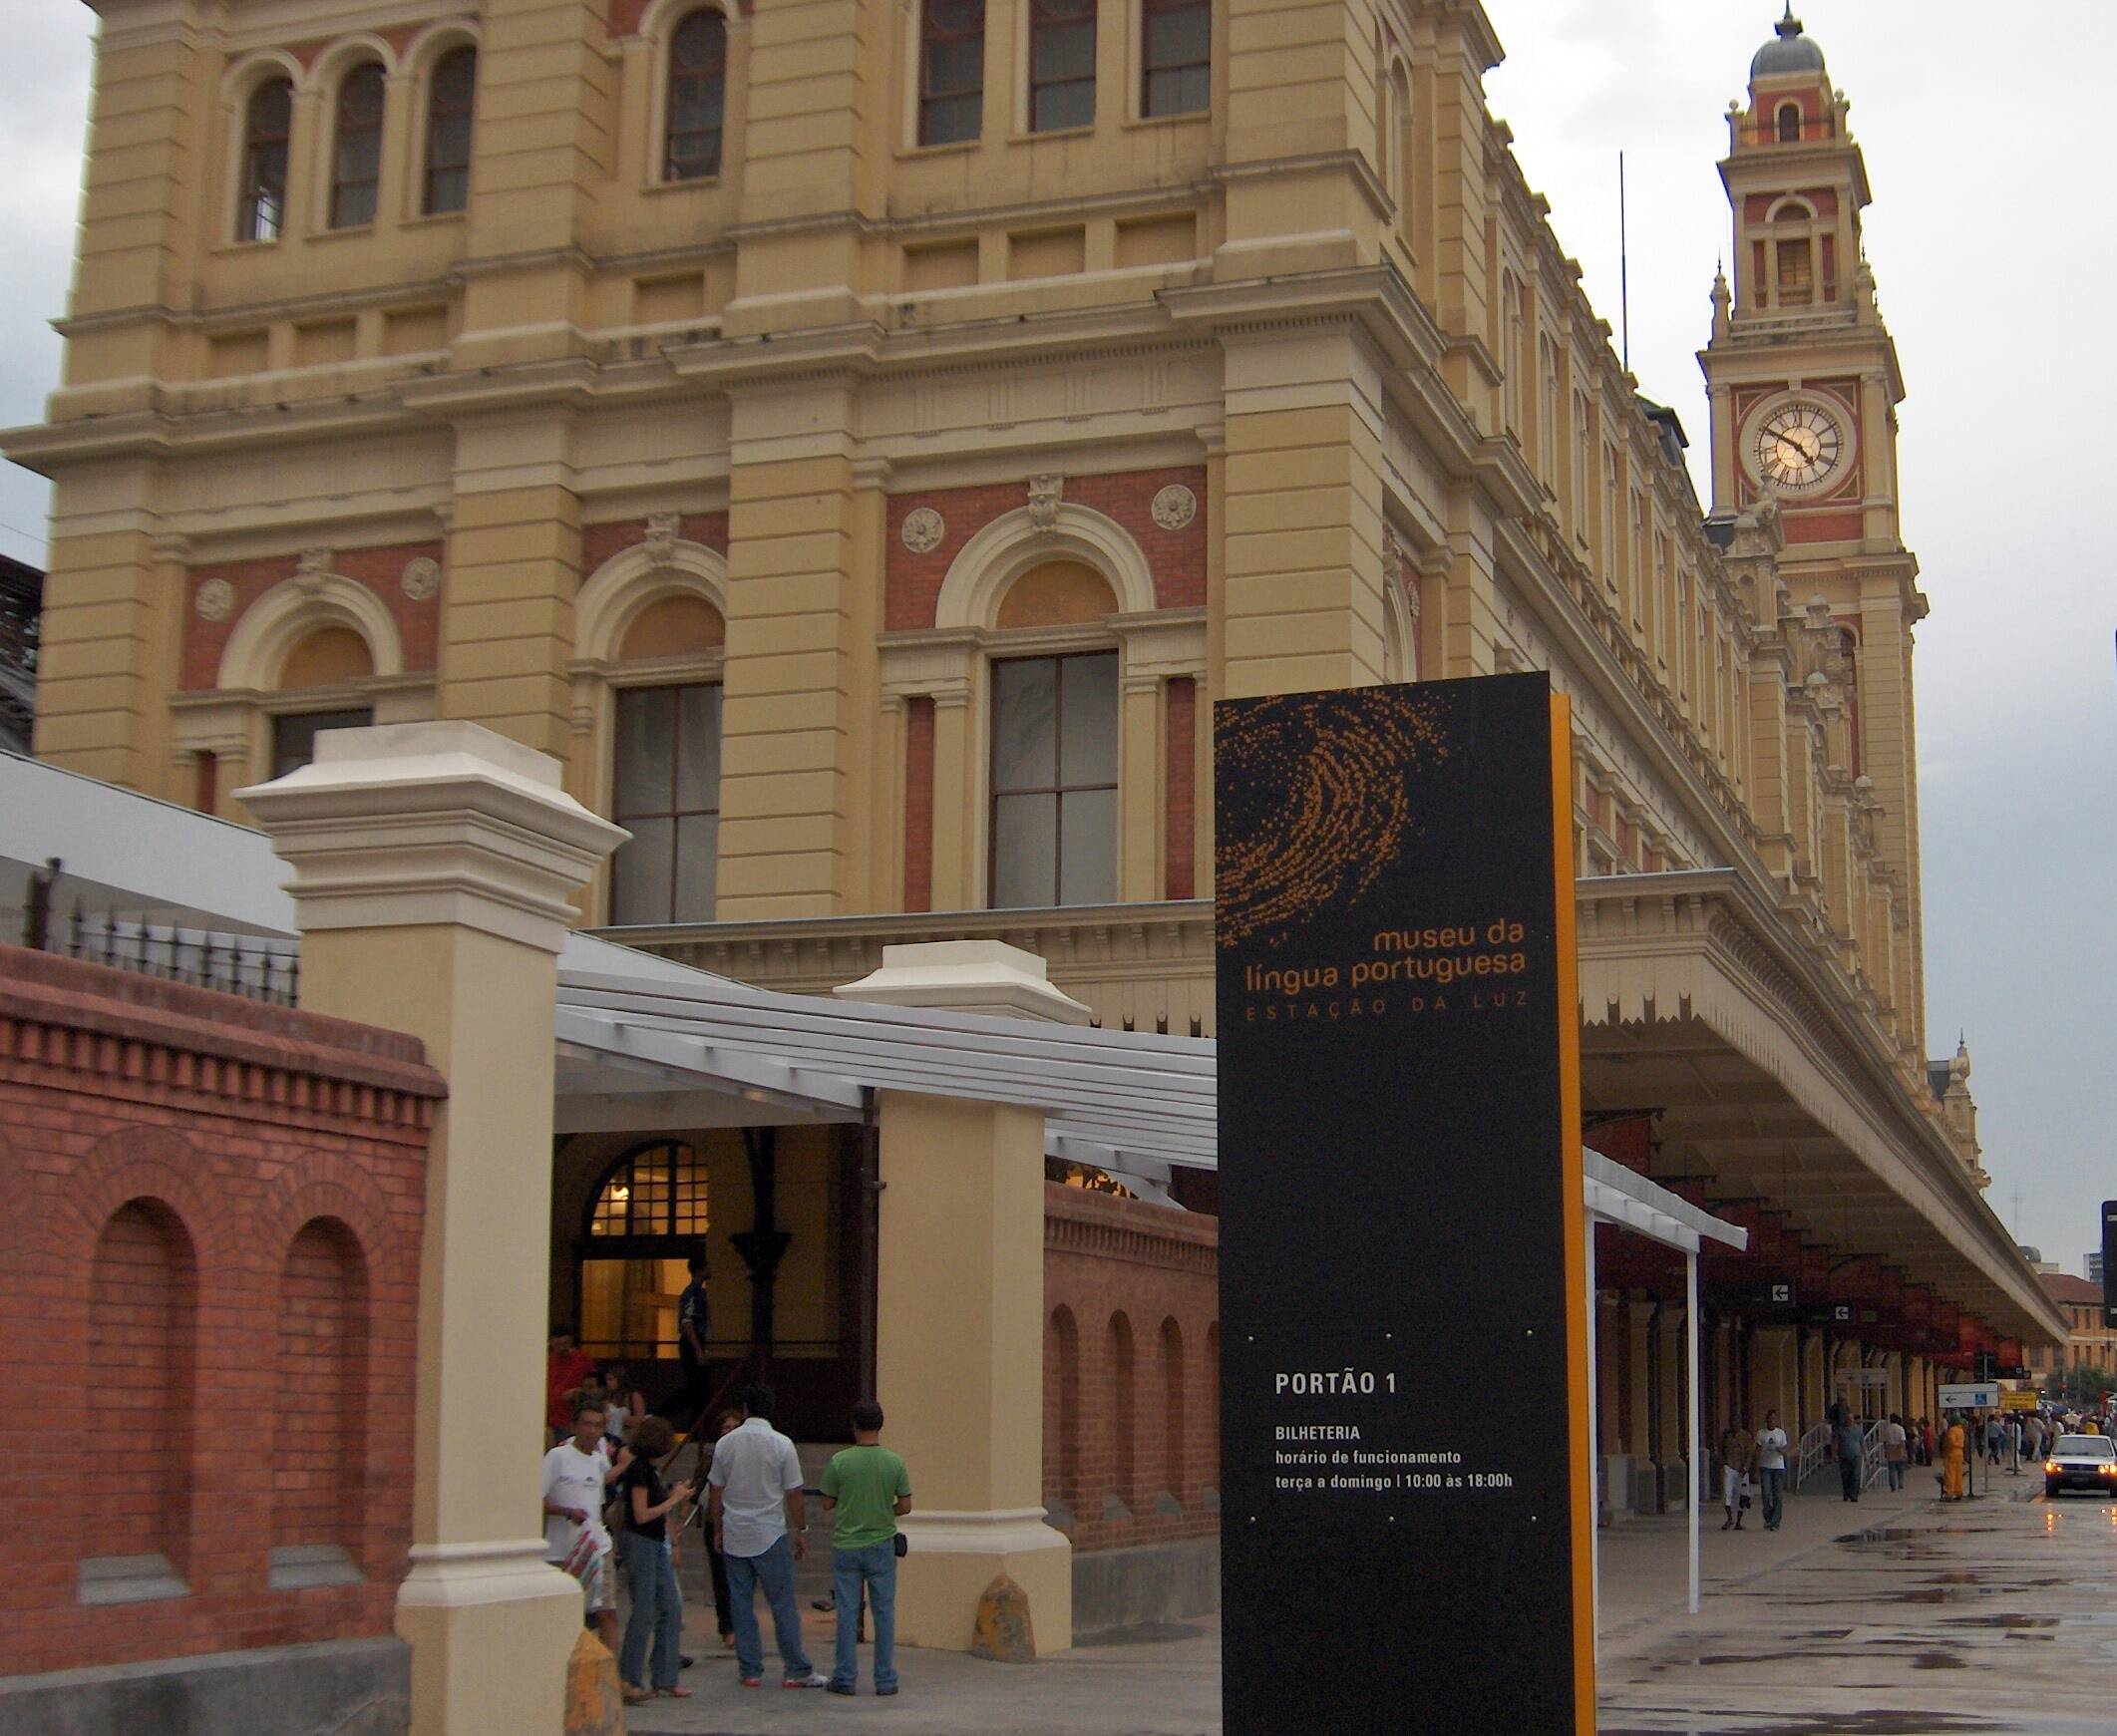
x: 1175, y: 507
x: 1045, y: 491
x: 422, y: 578
x: 215, y: 600
x: 923, y: 530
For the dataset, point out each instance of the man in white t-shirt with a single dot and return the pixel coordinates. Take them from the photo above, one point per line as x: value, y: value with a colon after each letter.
x: 754, y: 1499
x: 1771, y: 1469
x: 577, y: 1479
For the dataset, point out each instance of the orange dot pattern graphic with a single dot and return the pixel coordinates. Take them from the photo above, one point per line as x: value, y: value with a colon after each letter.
x: 1321, y: 780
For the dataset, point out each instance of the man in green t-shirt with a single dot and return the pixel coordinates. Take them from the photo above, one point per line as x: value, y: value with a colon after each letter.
x: 866, y: 1491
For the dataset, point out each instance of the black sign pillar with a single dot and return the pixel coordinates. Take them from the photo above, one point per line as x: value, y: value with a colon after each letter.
x: 1407, y: 1507
x: 2109, y: 1263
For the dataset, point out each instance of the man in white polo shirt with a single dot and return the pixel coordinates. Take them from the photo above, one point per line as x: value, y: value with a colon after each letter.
x: 754, y: 1504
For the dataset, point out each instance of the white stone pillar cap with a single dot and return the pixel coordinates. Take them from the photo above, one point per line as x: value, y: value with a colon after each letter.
x: 414, y: 824
x: 968, y: 976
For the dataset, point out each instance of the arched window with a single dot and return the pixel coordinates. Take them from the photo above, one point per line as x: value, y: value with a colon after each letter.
x: 698, y: 96
x: 1175, y: 56
x: 267, y: 128
x: 649, y: 1217
x: 1789, y: 122
x: 1123, y: 1419
x: 451, y: 94
x: 1062, y: 1425
x: 1174, y: 1479
x: 142, y: 1366
x: 1061, y: 64
x: 323, y: 1429
x: 666, y: 792
x: 1054, y: 780
x: 952, y: 71
x: 356, y: 154
x: 657, y: 1190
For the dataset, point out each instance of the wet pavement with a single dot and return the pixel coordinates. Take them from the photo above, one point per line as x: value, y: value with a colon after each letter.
x: 1999, y: 1615
x: 1901, y: 1616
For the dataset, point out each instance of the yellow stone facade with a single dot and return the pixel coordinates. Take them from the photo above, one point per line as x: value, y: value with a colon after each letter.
x: 491, y: 442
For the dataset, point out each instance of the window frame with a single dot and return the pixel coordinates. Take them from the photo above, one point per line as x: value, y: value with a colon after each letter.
x: 926, y: 99
x: 621, y: 694
x: 1059, y: 789
x: 1069, y: 13
x: 671, y: 71
x: 373, y: 129
x: 653, y: 1243
x: 248, y: 207
x: 433, y: 115
x: 1143, y: 85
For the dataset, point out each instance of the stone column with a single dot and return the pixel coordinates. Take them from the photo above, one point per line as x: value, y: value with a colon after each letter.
x: 960, y: 1300
x: 431, y: 868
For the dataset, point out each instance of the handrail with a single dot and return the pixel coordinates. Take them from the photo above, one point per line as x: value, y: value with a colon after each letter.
x: 1873, y: 1458
x: 1815, y: 1449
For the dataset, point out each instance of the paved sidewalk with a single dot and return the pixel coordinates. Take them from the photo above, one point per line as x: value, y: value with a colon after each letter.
x: 1166, y: 1681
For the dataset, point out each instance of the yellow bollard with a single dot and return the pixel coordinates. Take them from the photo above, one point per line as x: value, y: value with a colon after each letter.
x: 1005, y: 1632
x: 595, y: 1706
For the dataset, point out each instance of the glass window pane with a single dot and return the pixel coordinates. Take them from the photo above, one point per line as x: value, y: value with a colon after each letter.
x: 1060, y: 106
x: 1088, y: 839
x: 1064, y: 51
x: 1087, y: 713
x: 640, y: 876
x: 646, y: 740
x: 1025, y: 746
x: 1024, y: 844
x: 294, y: 736
x: 698, y: 747
x: 697, y: 844
x: 1177, y: 36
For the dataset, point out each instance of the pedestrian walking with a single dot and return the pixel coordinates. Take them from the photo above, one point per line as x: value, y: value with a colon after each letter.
x: 1954, y: 1455
x: 755, y: 1511
x: 1896, y: 1451
x: 1734, y: 1475
x: 1925, y: 1440
x: 647, y: 1552
x: 567, y: 1367
x: 865, y: 1490
x: 1847, y: 1438
x: 1771, y: 1469
x: 576, y: 1477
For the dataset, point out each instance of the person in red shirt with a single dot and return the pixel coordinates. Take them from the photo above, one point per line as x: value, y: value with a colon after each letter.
x: 565, y: 1367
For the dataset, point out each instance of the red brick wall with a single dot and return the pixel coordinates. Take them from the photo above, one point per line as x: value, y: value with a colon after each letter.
x: 381, y: 569
x: 1180, y: 880
x: 1176, y: 557
x: 918, y: 803
x: 209, y: 1256
x: 600, y: 541
x: 1131, y: 1370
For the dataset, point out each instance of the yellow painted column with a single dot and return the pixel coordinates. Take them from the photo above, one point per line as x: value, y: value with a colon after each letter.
x: 960, y: 1358
x: 432, y: 864
x: 1142, y: 766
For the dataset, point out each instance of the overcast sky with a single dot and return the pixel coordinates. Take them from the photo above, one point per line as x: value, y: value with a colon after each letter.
x: 1991, y: 252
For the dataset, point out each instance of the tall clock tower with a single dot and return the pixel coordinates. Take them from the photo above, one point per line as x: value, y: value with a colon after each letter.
x: 1804, y: 385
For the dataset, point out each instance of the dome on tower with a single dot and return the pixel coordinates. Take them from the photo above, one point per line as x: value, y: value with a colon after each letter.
x: 1788, y: 52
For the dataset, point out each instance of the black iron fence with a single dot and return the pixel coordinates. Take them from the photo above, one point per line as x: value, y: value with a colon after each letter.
x: 249, y: 965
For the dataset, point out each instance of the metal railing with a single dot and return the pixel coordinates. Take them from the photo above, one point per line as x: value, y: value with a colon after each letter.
x: 1815, y: 1453
x: 1873, y: 1457
x: 252, y: 966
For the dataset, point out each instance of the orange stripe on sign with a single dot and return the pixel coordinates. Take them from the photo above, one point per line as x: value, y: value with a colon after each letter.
x: 1577, y: 1323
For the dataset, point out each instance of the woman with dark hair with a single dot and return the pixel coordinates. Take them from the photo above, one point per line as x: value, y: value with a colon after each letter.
x: 648, y: 1552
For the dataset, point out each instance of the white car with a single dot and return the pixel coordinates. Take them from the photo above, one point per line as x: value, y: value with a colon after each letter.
x: 2081, y: 1462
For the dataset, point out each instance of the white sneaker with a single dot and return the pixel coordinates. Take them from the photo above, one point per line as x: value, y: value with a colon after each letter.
x: 814, y: 1679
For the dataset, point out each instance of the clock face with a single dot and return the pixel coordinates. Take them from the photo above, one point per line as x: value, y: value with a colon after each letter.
x: 1799, y: 448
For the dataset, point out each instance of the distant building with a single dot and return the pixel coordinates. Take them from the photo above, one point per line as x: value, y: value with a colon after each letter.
x: 2094, y: 1269
x: 21, y: 609
x: 2089, y: 1343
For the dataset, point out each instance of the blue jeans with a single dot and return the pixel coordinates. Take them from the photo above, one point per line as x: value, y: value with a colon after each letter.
x: 875, y: 1568
x: 1774, y: 1495
x: 774, y: 1569
x: 657, y: 1614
